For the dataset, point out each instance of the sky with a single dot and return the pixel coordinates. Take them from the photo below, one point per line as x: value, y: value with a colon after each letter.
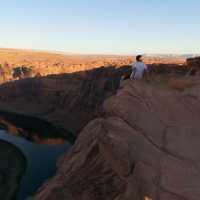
x: 101, y: 26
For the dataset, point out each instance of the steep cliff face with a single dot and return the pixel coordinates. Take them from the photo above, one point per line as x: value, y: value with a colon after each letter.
x: 70, y: 100
x: 66, y: 100
x: 146, y: 147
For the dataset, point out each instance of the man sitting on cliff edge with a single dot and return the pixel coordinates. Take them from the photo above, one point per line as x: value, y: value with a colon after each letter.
x: 140, y: 69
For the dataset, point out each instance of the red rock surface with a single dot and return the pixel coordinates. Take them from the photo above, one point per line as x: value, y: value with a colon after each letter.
x: 146, y: 147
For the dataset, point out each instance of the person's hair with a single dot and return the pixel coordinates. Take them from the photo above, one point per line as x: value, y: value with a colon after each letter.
x: 138, y: 57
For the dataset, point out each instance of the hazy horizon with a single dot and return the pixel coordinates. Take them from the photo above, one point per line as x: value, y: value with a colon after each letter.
x: 102, y: 27
x: 114, y: 54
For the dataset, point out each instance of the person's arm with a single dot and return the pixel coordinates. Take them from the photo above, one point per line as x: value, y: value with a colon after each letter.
x: 133, y: 71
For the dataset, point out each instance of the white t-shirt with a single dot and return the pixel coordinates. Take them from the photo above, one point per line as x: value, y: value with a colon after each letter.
x: 138, y: 70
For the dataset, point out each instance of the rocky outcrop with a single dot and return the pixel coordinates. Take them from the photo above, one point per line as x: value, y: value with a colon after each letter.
x: 194, y: 62
x: 146, y: 147
x: 194, y: 65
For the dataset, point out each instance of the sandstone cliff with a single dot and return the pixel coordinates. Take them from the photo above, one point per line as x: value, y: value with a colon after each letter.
x: 66, y: 100
x: 146, y: 147
x: 71, y: 100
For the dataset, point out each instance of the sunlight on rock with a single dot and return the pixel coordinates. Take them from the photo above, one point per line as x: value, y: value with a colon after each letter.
x: 147, y: 198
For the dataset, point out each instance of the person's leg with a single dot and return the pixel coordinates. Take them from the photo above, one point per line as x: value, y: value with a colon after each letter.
x: 132, y: 77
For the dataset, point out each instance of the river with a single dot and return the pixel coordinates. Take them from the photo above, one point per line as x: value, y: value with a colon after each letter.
x: 40, y: 162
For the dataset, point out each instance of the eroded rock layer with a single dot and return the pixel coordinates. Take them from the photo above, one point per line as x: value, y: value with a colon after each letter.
x: 146, y: 147
x: 66, y: 100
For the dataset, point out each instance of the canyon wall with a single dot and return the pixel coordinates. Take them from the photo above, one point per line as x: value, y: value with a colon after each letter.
x: 66, y: 100
x: 71, y: 100
x: 146, y: 147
